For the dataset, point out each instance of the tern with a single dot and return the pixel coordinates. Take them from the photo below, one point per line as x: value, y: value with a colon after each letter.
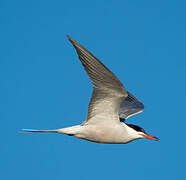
x: 110, y: 105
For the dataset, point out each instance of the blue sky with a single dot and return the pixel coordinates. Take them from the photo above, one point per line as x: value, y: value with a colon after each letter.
x: 44, y: 86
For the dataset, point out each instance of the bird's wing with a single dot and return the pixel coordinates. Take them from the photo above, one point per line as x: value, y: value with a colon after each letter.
x: 108, y: 93
x: 130, y: 106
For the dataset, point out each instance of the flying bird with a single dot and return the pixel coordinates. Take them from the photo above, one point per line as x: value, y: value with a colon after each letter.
x: 110, y: 105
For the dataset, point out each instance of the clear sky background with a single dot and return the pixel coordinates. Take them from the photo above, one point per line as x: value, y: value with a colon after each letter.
x: 43, y: 85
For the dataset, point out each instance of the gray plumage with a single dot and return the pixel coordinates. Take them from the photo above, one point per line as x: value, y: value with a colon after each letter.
x: 106, y: 86
x: 130, y: 106
x: 109, y: 103
x: 108, y: 91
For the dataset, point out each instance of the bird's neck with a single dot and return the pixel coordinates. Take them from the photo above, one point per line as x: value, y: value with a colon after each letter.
x: 133, y: 134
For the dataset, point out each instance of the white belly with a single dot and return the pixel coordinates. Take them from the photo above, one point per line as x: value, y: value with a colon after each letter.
x: 104, y: 133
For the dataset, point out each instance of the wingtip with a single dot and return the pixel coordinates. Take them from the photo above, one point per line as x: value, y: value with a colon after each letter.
x: 69, y: 38
x: 74, y: 43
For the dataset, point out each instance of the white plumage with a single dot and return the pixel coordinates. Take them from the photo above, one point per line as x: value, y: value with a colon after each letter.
x: 109, y: 102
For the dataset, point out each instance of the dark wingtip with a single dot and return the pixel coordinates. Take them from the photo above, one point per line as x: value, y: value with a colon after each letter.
x: 74, y: 43
x: 70, y: 39
x: 68, y: 36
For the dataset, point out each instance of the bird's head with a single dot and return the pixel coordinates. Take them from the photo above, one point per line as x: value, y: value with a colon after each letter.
x: 141, y: 133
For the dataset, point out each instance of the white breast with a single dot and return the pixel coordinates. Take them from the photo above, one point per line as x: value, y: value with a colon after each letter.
x: 116, y: 133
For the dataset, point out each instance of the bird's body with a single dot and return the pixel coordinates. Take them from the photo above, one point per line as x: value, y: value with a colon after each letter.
x: 116, y: 133
x: 109, y: 102
x: 101, y: 133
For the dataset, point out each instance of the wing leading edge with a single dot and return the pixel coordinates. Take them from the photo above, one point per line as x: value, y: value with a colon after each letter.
x: 109, y: 95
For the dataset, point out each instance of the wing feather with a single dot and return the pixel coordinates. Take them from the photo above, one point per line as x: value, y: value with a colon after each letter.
x: 130, y: 106
x: 108, y: 91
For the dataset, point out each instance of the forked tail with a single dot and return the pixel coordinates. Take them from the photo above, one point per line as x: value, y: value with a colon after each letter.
x: 68, y: 130
x: 39, y: 131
